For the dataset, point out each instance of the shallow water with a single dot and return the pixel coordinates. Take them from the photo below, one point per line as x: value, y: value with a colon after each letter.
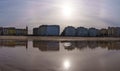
x: 19, y: 55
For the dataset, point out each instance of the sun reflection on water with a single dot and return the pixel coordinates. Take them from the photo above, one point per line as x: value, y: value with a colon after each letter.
x: 66, y: 64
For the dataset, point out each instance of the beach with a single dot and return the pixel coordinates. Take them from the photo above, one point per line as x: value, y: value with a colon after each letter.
x: 59, y: 38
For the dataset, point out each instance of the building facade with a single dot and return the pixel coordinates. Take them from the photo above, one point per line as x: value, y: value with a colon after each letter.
x: 103, y: 32
x: 69, y: 31
x: 35, y: 31
x: 1, y: 31
x: 82, y: 32
x: 47, y: 30
x: 9, y: 31
x: 113, y: 31
x: 117, y: 32
x: 93, y: 32
x: 42, y: 30
x: 21, y: 32
x: 53, y: 30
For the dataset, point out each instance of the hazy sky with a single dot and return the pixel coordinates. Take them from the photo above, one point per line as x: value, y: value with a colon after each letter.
x: 88, y: 13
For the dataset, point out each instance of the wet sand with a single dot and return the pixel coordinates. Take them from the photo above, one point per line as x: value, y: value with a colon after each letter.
x: 60, y: 38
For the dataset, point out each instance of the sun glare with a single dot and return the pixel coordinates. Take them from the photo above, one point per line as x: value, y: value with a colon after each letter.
x: 67, y: 11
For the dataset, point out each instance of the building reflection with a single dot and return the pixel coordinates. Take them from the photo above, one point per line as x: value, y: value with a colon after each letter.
x: 93, y: 44
x: 13, y: 43
x: 69, y: 45
x: 110, y: 45
x: 46, y: 45
x: 81, y: 44
x: 54, y: 45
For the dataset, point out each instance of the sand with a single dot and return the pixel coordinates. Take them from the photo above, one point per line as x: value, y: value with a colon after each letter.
x: 59, y: 38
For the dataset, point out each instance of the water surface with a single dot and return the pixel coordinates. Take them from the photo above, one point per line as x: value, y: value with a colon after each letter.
x: 19, y: 55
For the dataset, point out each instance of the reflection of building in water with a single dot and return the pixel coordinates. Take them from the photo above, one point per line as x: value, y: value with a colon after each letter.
x: 81, y: 44
x: 93, y: 44
x: 114, y: 46
x: 103, y: 44
x: 13, y: 43
x: 110, y: 45
x: 46, y: 45
x: 69, y: 45
x: 8, y: 43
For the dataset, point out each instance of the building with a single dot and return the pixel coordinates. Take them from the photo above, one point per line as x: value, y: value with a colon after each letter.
x: 93, y: 32
x: 113, y: 31
x: 69, y: 31
x: 13, y: 31
x: 117, y: 32
x: 82, y: 32
x: 5, y: 31
x: 52, y: 30
x: 47, y: 30
x: 22, y: 32
x: 35, y: 31
x: 9, y: 31
x: 42, y: 30
x: 1, y: 31
x: 103, y: 32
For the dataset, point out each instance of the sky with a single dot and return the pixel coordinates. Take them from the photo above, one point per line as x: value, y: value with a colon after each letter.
x: 33, y: 13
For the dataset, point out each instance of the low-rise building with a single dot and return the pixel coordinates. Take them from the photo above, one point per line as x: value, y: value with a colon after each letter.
x: 82, y: 32
x: 5, y: 31
x: 53, y: 30
x: 13, y: 31
x: 117, y: 32
x: 93, y: 32
x: 42, y: 30
x: 103, y: 32
x: 9, y: 31
x: 48, y: 30
x: 113, y: 31
x: 69, y: 31
x: 1, y: 31
x: 22, y: 32
x: 35, y: 31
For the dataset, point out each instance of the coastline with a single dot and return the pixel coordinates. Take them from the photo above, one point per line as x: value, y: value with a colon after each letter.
x: 59, y: 38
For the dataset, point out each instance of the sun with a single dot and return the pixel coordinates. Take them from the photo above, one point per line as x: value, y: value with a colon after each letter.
x: 67, y: 11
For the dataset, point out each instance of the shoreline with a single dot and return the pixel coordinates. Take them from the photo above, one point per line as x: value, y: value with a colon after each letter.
x: 59, y: 38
